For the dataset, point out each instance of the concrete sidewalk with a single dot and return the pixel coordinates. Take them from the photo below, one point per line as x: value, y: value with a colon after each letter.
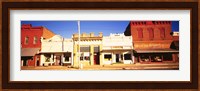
x: 138, y: 66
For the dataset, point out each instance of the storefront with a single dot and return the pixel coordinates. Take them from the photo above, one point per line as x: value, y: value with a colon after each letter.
x: 117, y: 56
x: 156, y: 56
x: 56, y: 59
x: 56, y: 51
x: 117, y: 48
x: 29, y: 56
x: 90, y: 48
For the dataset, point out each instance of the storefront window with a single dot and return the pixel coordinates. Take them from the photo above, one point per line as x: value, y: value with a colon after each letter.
x: 107, y: 56
x: 85, y: 56
x: 47, y: 57
x: 156, y: 58
x: 127, y: 56
x: 67, y: 57
x: 81, y: 58
x: 167, y: 57
x: 144, y: 58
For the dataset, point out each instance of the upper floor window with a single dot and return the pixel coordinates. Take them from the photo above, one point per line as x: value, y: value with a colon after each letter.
x: 162, y: 33
x: 151, y: 33
x: 26, y: 39
x: 140, y: 33
x: 35, y: 40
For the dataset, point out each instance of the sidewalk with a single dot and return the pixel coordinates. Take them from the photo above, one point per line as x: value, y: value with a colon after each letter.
x: 138, y: 66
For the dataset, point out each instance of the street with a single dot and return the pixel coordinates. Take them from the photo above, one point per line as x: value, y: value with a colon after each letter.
x: 164, y: 66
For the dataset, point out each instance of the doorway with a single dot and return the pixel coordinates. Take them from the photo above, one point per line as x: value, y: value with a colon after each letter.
x: 38, y: 63
x: 58, y: 60
x: 117, y: 57
x: 96, y: 58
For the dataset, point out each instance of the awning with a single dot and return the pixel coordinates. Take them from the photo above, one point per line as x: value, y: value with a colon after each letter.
x: 29, y: 51
x: 116, y: 50
x: 155, y: 51
x: 56, y: 52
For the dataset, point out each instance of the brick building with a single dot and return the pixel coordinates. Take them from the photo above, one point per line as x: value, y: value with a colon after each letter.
x: 31, y: 44
x: 152, y: 41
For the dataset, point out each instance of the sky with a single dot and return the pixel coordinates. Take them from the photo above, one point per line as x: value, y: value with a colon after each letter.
x: 68, y: 28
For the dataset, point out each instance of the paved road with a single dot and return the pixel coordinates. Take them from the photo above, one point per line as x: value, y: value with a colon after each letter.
x: 167, y: 66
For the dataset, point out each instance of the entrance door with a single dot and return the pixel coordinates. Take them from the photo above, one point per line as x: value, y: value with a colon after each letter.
x: 37, y: 60
x: 117, y: 57
x: 38, y: 63
x: 96, y: 58
x: 58, y: 60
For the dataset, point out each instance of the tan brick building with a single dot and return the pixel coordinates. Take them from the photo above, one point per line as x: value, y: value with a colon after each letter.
x: 90, y: 49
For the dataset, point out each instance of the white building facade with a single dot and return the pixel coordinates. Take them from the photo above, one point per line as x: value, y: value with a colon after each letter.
x: 56, y: 51
x: 117, y: 48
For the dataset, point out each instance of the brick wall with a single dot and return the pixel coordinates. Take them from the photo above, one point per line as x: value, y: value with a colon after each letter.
x: 28, y: 31
x: 150, y: 39
x: 47, y: 33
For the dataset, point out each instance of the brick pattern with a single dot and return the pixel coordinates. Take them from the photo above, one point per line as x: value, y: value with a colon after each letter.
x: 47, y: 33
x: 159, y: 39
x: 28, y: 31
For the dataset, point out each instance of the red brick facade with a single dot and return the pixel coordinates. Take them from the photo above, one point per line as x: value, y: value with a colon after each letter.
x: 30, y: 38
x: 151, y: 35
x: 28, y: 31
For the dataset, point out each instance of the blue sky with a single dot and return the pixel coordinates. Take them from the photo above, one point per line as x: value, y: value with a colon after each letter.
x: 67, y: 28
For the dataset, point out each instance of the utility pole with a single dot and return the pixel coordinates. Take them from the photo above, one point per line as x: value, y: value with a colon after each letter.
x: 79, y: 29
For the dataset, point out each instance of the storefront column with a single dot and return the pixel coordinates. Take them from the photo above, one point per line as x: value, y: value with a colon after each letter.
x: 75, y: 61
x: 174, y: 57
x: 51, y: 59
x: 122, y: 57
x: 92, y: 54
x: 42, y: 59
x: 72, y: 58
x: 101, y: 55
x: 113, y: 58
x: 133, y: 57
x: 62, y: 59
x: 22, y: 62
